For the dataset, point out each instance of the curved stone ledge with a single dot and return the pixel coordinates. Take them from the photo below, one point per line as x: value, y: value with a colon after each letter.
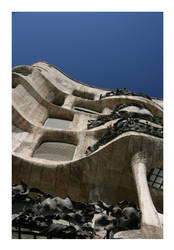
x: 91, y: 172
x: 42, y: 91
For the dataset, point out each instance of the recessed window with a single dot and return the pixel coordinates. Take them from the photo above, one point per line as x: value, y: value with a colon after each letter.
x: 155, y: 178
x: 23, y: 70
x: 55, y: 151
x: 85, y: 110
x: 83, y: 94
x: 57, y: 123
x: 59, y: 101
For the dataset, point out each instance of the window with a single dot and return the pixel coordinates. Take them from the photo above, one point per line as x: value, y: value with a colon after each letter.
x: 86, y: 110
x: 155, y: 178
x: 55, y: 151
x: 59, y: 101
x: 57, y: 123
x: 83, y: 94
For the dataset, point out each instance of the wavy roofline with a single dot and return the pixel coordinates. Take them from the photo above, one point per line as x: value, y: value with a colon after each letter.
x: 77, y: 81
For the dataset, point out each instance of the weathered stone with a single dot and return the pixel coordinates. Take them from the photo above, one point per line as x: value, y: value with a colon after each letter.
x: 121, y: 126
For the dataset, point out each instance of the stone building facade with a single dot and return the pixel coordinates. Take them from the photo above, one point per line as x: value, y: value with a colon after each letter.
x: 91, y: 144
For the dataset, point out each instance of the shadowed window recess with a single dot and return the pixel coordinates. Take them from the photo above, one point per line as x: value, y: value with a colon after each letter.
x: 59, y: 101
x: 83, y: 94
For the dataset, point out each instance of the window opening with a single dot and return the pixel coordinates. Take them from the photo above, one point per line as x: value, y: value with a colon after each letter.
x: 85, y: 110
x: 55, y: 151
x: 57, y: 123
x: 155, y: 178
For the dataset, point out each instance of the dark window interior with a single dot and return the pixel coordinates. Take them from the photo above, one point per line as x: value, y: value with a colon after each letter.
x: 59, y: 100
x: 155, y: 178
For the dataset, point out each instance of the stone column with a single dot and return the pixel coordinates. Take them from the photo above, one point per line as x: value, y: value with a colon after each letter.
x: 69, y: 102
x: 106, y: 111
x: 150, y: 221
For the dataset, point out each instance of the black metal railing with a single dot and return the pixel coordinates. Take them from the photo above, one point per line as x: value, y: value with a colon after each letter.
x: 116, y: 114
x: 123, y: 91
x: 122, y: 126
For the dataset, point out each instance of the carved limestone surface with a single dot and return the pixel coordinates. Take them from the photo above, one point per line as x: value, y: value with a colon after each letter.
x: 92, y: 145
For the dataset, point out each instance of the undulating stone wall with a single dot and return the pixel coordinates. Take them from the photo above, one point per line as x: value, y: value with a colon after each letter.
x: 107, y: 129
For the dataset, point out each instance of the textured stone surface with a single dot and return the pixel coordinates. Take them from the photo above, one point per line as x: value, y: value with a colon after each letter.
x: 42, y: 91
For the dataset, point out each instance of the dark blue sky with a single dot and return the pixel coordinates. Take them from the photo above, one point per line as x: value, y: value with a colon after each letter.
x: 105, y: 49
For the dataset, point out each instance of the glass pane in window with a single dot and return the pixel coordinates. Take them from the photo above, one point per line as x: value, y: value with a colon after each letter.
x: 161, y: 173
x: 156, y: 171
x: 152, y: 177
x: 156, y: 185
x: 150, y: 183
x: 159, y: 180
x: 86, y: 110
x: 57, y: 123
x: 55, y: 151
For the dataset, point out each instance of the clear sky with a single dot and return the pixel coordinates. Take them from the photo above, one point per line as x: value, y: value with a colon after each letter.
x: 104, y: 49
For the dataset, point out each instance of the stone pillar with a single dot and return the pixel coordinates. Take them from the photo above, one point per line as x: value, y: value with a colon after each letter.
x: 69, y: 102
x: 150, y: 221
x: 106, y: 111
